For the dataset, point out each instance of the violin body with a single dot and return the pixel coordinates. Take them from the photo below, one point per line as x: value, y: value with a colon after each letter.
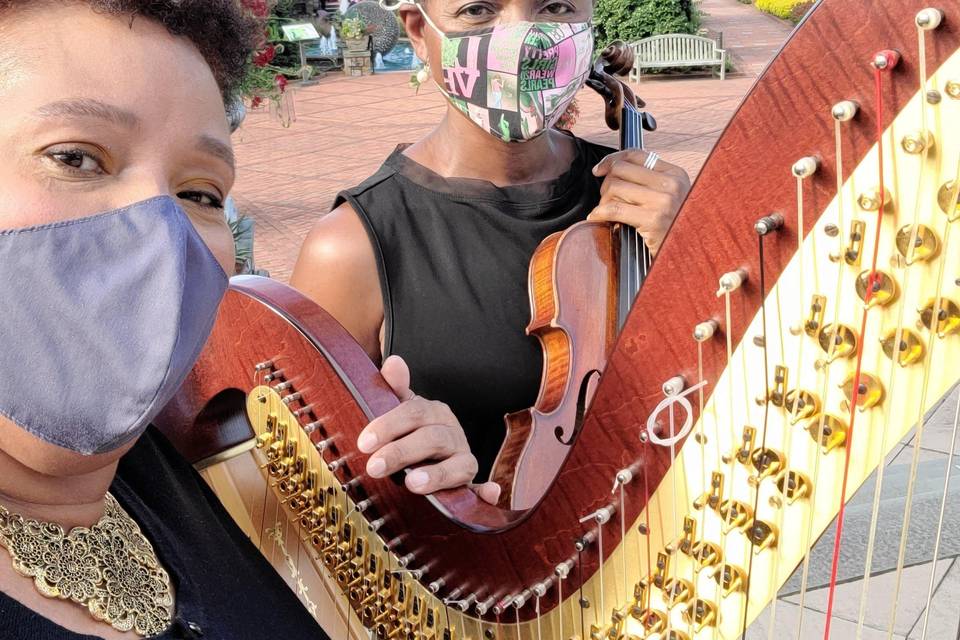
x: 697, y: 537
x: 573, y: 299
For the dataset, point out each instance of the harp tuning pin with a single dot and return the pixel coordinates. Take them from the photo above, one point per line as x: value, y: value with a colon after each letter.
x: 731, y: 281
x: 887, y: 59
x: 845, y: 111
x: 929, y: 19
x: 934, y: 96
x: 705, y: 330
x: 768, y: 224
x: 805, y: 167
x: 870, y: 200
x: 262, y: 366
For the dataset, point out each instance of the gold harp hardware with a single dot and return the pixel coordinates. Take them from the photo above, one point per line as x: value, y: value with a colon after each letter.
x: 653, y: 621
x: 609, y: 632
x: 853, y: 254
x: 701, y: 614
x: 735, y: 515
x: 673, y: 634
x: 884, y: 288
x: 678, y: 591
x: 948, y: 318
x: 768, y: 462
x: 640, y: 598
x: 730, y: 578
x: 947, y: 193
x: 714, y: 497
x: 793, y: 486
x: 814, y: 320
x: 662, y: 569
x: 686, y: 541
x: 801, y: 405
x: 869, y: 392
x: 869, y: 201
x: 778, y: 393
x: 834, y: 432
x: 926, y: 246
x: 917, y: 142
x: 842, y: 341
x: 743, y: 453
x: 911, y: 347
x: 763, y: 535
x: 707, y: 554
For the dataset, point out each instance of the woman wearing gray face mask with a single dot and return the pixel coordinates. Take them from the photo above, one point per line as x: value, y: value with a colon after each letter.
x: 113, y: 259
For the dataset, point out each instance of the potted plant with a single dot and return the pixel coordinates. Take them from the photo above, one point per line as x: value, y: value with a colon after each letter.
x: 355, y: 34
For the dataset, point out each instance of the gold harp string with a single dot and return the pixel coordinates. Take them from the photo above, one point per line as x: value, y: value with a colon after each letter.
x: 788, y: 438
x: 931, y: 342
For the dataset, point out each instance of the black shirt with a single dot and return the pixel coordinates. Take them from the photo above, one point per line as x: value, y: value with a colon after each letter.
x: 453, y: 257
x: 225, y: 590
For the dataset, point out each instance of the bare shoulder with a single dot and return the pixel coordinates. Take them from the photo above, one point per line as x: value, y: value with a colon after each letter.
x: 337, y: 269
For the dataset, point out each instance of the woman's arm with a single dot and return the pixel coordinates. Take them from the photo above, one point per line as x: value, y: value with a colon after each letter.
x: 337, y: 270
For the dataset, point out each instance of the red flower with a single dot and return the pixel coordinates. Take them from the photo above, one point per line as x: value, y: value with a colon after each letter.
x: 256, y: 102
x: 281, y: 81
x: 259, y: 8
x: 265, y: 57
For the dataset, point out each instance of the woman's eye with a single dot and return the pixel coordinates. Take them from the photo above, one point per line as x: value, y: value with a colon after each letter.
x: 557, y: 9
x: 202, y: 198
x: 477, y: 11
x: 77, y: 161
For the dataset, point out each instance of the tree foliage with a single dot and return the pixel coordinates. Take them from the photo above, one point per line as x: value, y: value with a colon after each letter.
x: 632, y: 20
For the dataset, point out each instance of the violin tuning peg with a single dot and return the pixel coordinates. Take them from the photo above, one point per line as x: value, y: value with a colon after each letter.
x: 648, y: 121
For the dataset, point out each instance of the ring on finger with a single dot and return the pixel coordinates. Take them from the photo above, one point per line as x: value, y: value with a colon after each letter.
x: 651, y: 161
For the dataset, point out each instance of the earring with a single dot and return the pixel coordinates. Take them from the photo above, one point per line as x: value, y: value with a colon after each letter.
x: 420, y: 77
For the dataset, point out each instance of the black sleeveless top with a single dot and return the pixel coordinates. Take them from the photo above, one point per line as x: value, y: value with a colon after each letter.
x: 453, y: 257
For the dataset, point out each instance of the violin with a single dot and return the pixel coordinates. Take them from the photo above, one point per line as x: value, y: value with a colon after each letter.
x: 583, y: 282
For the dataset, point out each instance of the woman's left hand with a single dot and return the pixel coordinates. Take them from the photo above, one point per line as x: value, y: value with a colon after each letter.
x: 646, y: 199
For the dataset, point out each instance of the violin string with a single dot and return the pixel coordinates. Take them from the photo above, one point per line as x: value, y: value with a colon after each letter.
x: 788, y: 439
x: 763, y: 441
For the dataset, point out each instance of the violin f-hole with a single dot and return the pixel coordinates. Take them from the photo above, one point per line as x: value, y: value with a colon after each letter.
x: 581, y: 410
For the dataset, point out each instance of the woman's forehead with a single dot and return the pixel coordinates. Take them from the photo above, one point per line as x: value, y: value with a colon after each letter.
x: 75, y: 52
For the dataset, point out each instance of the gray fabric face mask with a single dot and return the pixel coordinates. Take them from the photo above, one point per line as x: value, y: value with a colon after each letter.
x: 101, y: 319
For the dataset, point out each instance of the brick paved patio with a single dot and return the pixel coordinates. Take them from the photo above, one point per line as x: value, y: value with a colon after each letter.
x: 346, y: 126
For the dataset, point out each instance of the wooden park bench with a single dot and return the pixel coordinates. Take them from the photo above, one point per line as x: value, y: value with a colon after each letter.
x: 677, y: 50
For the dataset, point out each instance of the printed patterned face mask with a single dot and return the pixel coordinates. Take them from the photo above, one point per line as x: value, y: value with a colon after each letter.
x: 515, y: 80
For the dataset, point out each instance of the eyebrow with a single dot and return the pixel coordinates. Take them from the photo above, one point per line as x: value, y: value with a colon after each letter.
x: 217, y: 149
x: 87, y: 108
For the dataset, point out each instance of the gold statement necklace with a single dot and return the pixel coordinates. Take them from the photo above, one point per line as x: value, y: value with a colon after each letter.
x: 110, y: 568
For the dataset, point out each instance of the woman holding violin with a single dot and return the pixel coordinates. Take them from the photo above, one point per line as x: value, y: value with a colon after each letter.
x: 426, y: 262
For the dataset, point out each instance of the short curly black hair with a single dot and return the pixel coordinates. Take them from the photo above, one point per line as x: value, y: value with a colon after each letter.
x: 224, y: 33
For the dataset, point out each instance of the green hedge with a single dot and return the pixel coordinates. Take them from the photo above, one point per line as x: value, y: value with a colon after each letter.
x: 632, y: 20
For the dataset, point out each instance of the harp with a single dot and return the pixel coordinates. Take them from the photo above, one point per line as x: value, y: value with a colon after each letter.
x: 802, y: 317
